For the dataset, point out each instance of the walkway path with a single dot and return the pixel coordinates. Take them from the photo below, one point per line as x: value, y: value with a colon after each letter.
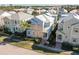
x: 13, y: 50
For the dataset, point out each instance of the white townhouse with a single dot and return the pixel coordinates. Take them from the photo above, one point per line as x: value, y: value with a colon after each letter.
x: 42, y: 26
x: 1, y: 21
x: 68, y: 30
x: 20, y: 10
x: 40, y: 11
x: 29, y: 10
x: 75, y: 11
x: 61, y: 10
x: 12, y: 20
x: 58, y: 12
x: 62, y: 13
x: 52, y: 11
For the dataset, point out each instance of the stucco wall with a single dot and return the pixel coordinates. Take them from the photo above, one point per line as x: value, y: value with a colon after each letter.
x: 37, y: 30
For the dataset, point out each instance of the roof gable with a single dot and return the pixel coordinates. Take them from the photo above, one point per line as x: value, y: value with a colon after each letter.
x: 46, y: 18
x: 69, y: 17
x: 36, y: 21
x: 6, y: 14
x: 17, y: 16
x: 24, y: 16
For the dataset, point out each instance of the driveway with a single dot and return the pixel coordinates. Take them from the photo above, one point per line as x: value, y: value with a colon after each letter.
x: 13, y: 50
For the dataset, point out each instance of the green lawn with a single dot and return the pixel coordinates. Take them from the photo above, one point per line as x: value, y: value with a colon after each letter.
x: 23, y: 44
x: 28, y: 45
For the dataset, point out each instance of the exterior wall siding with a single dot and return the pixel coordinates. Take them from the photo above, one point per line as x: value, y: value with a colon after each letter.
x: 37, y: 30
x: 68, y: 32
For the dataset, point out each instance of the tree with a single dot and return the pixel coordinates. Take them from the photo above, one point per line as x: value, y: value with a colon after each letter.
x: 25, y: 25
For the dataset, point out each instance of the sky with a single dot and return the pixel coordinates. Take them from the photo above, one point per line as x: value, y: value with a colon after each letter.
x: 54, y: 2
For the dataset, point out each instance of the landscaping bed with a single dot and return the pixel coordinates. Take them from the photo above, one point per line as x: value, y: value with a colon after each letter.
x: 2, y: 38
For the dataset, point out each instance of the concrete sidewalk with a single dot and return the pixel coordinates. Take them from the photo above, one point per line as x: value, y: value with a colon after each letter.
x: 13, y: 50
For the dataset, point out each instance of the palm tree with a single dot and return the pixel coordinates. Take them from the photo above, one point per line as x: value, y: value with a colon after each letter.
x: 25, y: 25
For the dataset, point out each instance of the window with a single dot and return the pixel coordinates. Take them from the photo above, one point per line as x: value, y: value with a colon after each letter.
x: 46, y: 24
x: 28, y: 32
x: 59, y: 37
x: 68, y: 27
x: 60, y: 27
x: 51, y: 28
x: 6, y: 22
x: 65, y: 36
x: 45, y: 35
x: 29, y: 22
x: 19, y: 29
x: 76, y: 30
x: 15, y: 22
x: 16, y: 28
x: 74, y: 39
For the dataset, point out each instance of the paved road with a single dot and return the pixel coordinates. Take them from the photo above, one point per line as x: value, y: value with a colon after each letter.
x: 13, y: 50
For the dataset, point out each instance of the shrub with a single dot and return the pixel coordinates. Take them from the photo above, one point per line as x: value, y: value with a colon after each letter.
x: 67, y: 46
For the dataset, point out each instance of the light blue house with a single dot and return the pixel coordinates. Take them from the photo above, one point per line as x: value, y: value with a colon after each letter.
x: 41, y: 26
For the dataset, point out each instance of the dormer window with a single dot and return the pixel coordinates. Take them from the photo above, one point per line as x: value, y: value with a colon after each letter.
x: 46, y: 25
